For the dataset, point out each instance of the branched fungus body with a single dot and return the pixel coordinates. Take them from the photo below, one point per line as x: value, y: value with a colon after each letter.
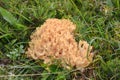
x: 55, y: 40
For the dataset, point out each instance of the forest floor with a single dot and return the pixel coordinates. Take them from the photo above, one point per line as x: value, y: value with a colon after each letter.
x: 98, y: 22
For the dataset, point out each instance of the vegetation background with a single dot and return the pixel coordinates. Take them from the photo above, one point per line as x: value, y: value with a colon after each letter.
x: 98, y: 22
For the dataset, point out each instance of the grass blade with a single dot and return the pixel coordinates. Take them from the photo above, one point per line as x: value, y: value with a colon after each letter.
x: 11, y: 19
x: 4, y: 35
x: 8, y: 16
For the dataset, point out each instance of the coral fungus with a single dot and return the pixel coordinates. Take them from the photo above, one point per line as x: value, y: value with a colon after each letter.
x: 55, y: 40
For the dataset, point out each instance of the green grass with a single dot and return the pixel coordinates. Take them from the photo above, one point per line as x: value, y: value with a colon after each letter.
x: 98, y: 22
